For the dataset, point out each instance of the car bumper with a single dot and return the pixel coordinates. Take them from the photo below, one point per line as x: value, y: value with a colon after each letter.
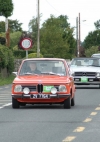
x: 51, y: 99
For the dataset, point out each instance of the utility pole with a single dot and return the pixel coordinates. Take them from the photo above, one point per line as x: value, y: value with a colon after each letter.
x: 77, y: 37
x: 38, y: 33
x: 7, y: 30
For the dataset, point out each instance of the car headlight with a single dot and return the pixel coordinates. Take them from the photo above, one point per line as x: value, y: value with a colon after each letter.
x: 18, y: 88
x: 26, y: 90
x: 62, y: 88
x: 53, y: 90
x: 98, y: 74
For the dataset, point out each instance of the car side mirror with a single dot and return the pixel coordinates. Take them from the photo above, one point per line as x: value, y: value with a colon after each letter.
x: 14, y: 73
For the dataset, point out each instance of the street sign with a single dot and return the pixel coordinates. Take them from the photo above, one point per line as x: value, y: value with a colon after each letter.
x: 26, y: 43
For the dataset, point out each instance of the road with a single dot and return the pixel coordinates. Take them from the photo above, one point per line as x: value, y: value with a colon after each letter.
x: 52, y: 123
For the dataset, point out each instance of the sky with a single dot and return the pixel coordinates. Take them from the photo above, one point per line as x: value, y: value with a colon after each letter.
x: 25, y: 10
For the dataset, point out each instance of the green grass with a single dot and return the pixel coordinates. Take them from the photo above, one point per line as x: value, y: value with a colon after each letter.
x: 7, y: 80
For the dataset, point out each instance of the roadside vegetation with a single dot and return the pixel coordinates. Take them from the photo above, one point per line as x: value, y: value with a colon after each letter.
x: 7, y: 80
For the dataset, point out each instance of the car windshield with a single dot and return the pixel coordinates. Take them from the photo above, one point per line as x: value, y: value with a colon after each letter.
x: 43, y: 67
x: 96, y: 55
x: 85, y: 62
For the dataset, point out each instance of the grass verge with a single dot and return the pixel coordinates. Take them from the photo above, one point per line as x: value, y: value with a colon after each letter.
x: 7, y: 80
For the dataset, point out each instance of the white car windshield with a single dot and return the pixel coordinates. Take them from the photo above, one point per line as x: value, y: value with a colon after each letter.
x: 77, y: 62
x: 40, y: 67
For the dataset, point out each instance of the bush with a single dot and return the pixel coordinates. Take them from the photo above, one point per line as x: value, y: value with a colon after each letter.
x: 48, y: 56
x: 34, y: 55
x: 19, y: 54
x: 6, y: 58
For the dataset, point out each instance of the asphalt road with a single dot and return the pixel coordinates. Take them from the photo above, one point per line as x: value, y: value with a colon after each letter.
x: 52, y: 123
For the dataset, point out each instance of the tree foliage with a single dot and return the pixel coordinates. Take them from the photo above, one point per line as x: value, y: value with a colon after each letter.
x: 92, y: 50
x: 97, y: 24
x: 33, y: 28
x: 6, y: 8
x: 6, y: 58
x: 14, y: 38
x: 93, y: 39
x: 14, y: 26
x: 56, y: 37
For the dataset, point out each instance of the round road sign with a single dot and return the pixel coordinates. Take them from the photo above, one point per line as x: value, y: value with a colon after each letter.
x: 26, y: 43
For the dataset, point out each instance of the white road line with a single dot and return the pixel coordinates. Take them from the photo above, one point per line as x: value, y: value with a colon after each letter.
x: 8, y: 104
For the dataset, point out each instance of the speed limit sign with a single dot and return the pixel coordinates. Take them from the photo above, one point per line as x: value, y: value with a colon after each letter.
x: 26, y: 43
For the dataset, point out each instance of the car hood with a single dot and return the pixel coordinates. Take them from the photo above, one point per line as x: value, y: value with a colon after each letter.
x: 85, y: 69
x: 41, y: 79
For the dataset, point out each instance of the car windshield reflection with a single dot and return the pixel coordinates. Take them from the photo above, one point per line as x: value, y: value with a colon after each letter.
x: 78, y: 62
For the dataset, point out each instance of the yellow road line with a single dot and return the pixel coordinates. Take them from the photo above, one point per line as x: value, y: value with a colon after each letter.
x: 69, y: 139
x: 98, y: 108
x: 87, y: 120
x: 93, y: 113
x: 79, y: 129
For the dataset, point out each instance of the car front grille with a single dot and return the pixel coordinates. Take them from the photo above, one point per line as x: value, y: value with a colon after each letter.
x: 38, y: 88
x: 85, y: 73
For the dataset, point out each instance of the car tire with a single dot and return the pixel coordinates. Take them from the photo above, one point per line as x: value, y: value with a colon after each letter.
x: 67, y: 103
x: 73, y: 101
x: 15, y: 103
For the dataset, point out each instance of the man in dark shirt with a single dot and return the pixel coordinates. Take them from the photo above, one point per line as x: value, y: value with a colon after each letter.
x: 33, y: 68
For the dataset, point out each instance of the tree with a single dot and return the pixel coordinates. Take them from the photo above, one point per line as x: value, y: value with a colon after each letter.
x: 92, y: 50
x: 6, y: 8
x: 93, y: 39
x: 14, y: 26
x: 97, y: 24
x: 33, y: 28
x: 56, y: 37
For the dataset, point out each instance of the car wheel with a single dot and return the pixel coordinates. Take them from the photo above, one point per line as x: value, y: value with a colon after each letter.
x: 73, y: 101
x: 15, y: 103
x: 67, y: 103
x: 99, y: 85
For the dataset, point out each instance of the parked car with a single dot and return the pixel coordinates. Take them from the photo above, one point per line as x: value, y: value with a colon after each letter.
x: 43, y: 81
x: 86, y: 71
x: 97, y: 55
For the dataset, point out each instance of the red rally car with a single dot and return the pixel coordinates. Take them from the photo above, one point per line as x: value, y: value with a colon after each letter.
x: 43, y: 81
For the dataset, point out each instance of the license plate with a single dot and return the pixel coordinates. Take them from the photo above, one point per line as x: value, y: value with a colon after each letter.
x: 84, y: 79
x: 44, y: 96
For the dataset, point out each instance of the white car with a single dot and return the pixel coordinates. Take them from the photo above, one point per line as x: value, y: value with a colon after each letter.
x: 86, y: 71
x: 97, y: 55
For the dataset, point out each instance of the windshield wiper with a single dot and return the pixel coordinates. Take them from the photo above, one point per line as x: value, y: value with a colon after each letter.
x: 28, y: 73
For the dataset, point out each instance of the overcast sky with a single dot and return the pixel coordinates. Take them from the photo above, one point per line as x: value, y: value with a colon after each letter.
x: 89, y: 10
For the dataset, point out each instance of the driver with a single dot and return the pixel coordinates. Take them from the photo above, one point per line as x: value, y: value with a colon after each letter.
x: 33, y: 68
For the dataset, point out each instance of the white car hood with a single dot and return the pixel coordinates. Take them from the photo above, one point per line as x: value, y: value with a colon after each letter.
x: 85, y: 69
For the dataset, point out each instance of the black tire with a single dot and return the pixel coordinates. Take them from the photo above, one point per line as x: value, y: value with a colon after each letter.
x: 99, y: 85
x: 15, y: 103
x: 67, y: 103
x: 73, y: 101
